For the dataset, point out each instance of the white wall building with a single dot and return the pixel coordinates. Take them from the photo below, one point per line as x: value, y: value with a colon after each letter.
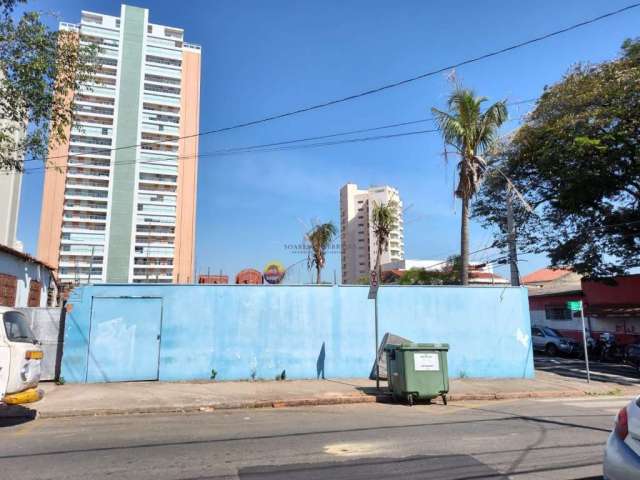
x: 10, y: 183
x: 25, y: 281
x: 358, y: 245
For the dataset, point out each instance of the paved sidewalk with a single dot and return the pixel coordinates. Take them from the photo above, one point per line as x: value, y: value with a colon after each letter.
x: 162, y: 397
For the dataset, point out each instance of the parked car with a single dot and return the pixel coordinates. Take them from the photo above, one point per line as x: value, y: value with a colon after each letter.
x: 20, y: 356
x: 633, y: 355
x: 622, y: 453
x: 548, y: 340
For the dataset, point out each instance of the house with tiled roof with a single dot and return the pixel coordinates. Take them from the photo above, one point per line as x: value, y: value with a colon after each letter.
x: 612, y: 306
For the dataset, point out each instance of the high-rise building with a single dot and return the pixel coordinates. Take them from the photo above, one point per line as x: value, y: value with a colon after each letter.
x: 358, y: 243
x: 110, y: 212
x: 10, y: 183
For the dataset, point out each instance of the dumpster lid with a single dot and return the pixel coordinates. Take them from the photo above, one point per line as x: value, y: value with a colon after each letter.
x: 417, y: 346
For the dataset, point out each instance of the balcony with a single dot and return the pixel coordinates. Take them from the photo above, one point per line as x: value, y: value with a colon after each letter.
x: 142, y: 241
x: 159, y: 147
x: 85, y: 183
x: 82, y: 227
x: 75, y: 193
x: 93, y: 110
x: 87, y: 174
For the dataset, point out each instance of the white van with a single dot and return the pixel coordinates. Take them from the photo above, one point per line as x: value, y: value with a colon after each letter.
x: 20, y: 356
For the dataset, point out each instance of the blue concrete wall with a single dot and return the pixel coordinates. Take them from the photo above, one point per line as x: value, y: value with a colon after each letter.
x: 238, y: 330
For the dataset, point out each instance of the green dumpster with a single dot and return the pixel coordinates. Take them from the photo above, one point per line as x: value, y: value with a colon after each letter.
x: 418, y: 371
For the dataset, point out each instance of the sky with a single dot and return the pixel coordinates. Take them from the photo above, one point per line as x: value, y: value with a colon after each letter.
x: 263, y: 58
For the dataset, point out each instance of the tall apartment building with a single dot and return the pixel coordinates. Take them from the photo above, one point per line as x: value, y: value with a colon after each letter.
x: 10, y: 183
x: 120, y: 214
x: 358, y: 244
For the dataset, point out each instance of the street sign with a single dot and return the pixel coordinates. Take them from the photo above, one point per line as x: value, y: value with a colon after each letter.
x: 373, y: 285
x: 575, y: 305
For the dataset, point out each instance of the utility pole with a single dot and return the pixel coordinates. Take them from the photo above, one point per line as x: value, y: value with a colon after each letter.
x: 511, y: 240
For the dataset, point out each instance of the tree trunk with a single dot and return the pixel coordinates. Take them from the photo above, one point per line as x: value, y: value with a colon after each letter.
x: 464, y: 242
x: 318, y: 269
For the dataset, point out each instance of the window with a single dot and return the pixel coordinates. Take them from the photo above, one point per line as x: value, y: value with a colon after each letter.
x: 149, y: 28
x: 536, y: 332
x: 89, y: 18
x: 169, y: 32
x: 550, y: 332
x: 35, y: 288
x: 557, y: 312
x: 105, y: 131
x: 8, y: 288
x: 17, y: 327
x: 117, y: 23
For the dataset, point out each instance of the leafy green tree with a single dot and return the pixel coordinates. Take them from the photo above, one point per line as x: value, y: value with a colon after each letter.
x: 449, y: 274
x: 577, y: 161
x: 39, y: 68
x: 471, y: 132
x: 319, y: 238
x: 384, y: 218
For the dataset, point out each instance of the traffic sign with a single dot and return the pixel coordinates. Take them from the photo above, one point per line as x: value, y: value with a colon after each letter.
x: 575, y: 305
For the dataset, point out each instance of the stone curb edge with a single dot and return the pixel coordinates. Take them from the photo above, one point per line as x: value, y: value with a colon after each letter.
x: 299, y: 402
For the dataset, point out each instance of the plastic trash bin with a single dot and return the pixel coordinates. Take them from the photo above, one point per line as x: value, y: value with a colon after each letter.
x: 418, y: 371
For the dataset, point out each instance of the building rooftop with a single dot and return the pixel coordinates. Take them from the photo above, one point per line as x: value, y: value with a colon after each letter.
x: 24, y: 256
x: 545, y: 275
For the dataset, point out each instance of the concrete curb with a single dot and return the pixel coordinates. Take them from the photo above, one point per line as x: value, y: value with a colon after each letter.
x: 298, y: 402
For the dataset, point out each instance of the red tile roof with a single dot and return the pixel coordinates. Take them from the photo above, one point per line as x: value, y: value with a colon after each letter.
x: 545, y: 275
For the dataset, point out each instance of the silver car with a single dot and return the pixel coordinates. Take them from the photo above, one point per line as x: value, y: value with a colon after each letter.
x: 622, y: 455
x: 550, y: 341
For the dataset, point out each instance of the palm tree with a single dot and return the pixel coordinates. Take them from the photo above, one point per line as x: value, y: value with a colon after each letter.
x: 470, y: 132
x: 319, y: 237
x: 384, y: 218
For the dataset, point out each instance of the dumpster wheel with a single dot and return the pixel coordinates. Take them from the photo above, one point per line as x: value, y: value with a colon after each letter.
x: 410, y: 399
x: 444, y: 399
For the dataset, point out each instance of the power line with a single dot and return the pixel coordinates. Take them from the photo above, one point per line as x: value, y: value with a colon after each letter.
x: 249, y: 149
x: 337, y: 134
x: 400, y: 82
x: 274, y: 146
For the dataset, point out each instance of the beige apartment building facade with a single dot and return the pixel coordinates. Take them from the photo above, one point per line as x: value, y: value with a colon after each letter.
x: 358, y: 244
x: 121, y: 206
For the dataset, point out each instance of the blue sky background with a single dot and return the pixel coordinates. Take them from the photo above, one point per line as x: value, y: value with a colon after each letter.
x: 262, y: 58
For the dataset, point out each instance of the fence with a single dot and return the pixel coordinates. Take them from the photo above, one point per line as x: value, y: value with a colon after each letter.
x: 231, y: 332
x: 46, y: 326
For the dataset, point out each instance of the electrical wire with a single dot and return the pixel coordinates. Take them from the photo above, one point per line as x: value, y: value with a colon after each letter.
x: 405, y: 81
x: 261, y: 148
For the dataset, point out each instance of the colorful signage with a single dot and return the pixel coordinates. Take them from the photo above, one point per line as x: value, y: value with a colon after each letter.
x: 273, y: 273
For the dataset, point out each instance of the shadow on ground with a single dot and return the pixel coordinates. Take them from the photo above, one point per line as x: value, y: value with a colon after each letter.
x: 436, y: 467
x: 442, y: 467
x: 12, y: 415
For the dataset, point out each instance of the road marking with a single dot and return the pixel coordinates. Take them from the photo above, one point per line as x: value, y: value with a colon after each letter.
x: 610, y: 405
x: 626, y: 399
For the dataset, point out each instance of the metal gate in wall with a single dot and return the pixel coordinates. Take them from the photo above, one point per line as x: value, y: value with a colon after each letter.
x: 124, y: 339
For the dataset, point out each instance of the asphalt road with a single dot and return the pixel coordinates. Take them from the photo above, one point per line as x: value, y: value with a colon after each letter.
x: 530, y: 439
x: 600, y: 371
